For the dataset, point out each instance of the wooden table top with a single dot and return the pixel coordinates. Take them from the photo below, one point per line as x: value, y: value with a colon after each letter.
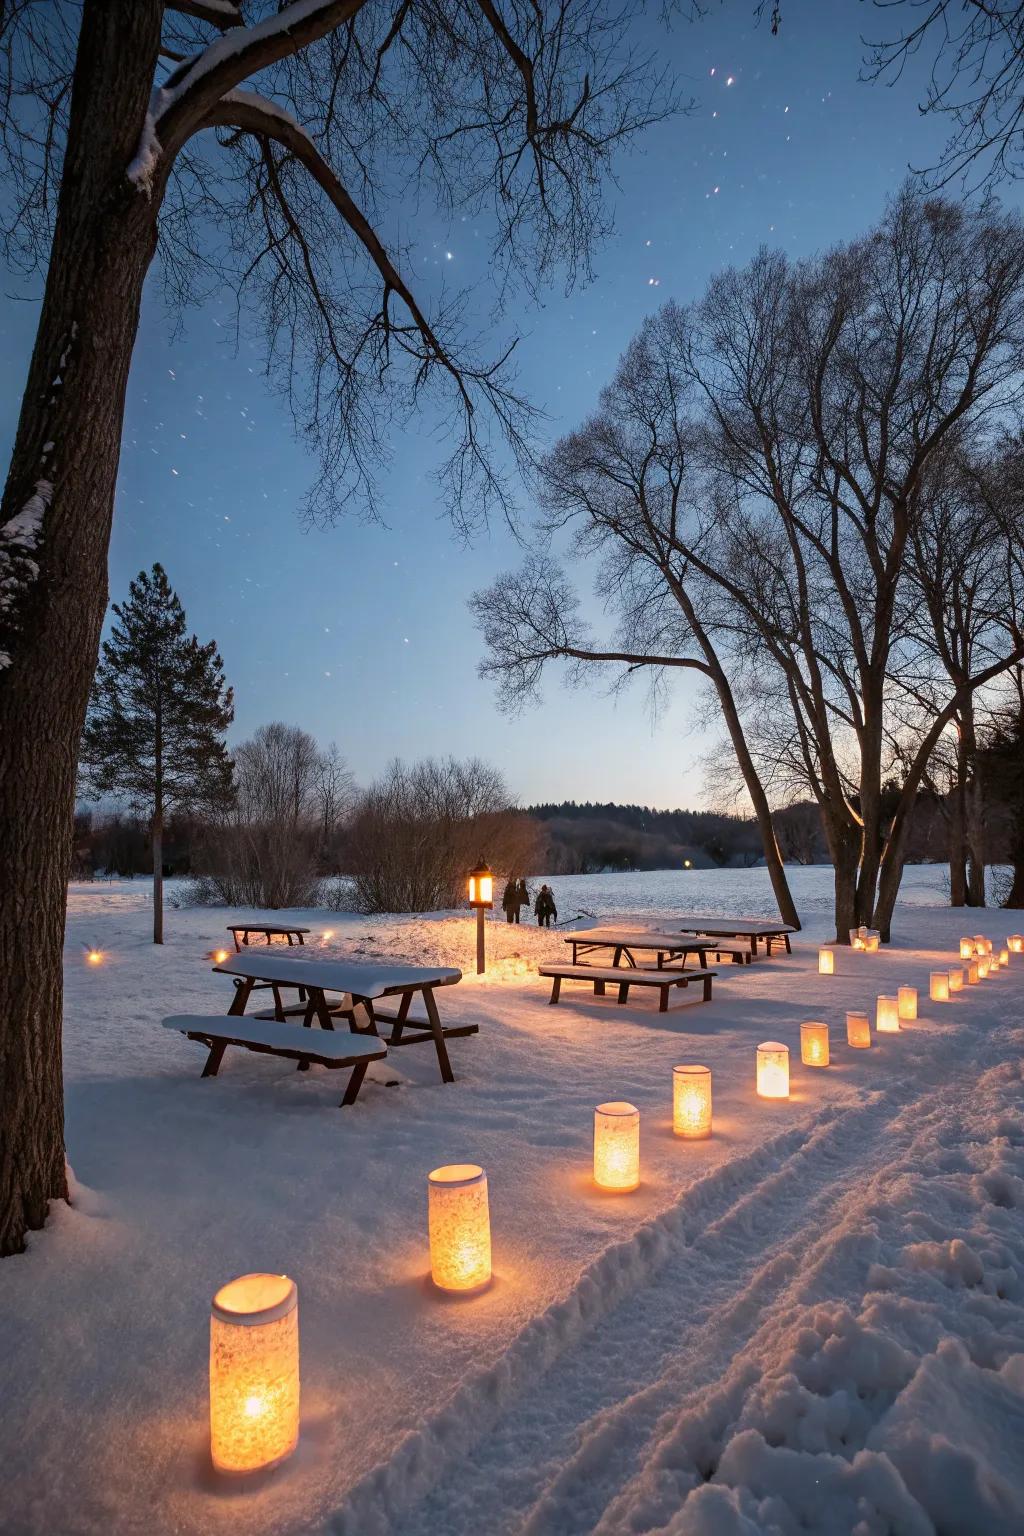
x: 361, y: 978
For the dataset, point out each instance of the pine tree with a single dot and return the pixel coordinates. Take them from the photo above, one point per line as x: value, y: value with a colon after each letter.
x: 157, y: 714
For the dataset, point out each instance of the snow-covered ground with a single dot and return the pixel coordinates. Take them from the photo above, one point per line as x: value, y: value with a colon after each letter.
x: 813, y: 1321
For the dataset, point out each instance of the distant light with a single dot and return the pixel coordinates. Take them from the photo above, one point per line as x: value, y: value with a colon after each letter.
x: 95, y: 956
x: 220, y: 955
x: 730, y: 80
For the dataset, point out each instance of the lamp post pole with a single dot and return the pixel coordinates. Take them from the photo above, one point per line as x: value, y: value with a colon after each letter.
x: 481, y: 963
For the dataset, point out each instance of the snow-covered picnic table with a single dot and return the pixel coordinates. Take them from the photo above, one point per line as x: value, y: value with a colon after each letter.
x: 269, y: 931
x: 754, y: 929
x: 360, y: 984
x: 627, y: 943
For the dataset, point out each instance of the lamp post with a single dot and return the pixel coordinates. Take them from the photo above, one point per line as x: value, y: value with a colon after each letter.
x: 481, y: 898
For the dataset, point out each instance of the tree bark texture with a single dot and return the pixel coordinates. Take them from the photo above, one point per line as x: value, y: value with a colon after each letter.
x: 68, y: 436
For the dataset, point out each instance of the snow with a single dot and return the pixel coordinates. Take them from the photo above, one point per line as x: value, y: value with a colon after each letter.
x: 19, y: 539
x: 812, y: 1321
x: 143, y: 164
x: 25, y: 526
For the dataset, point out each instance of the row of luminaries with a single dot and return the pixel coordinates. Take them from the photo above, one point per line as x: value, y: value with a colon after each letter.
x: 254, y: 1333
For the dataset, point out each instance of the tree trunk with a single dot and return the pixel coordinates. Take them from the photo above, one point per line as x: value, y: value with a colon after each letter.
x: 973, y: 812
x: 751, y: 777
x: 957, y: 837
x: 157, y: 834
x: 66, y: 450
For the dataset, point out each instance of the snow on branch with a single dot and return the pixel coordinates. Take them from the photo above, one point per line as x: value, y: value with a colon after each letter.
x: 178, y: 107
x: 219, y: 13
x: 20, y: 538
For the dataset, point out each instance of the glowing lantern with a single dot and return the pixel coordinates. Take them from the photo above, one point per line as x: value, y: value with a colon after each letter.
x: 219, y: 956
x: 858, y: 1031
x: 906, y: 1001
x: 1004, y: 957
x: 691, y: 1101
x: 982, y: 966
x: 826, y: 962
x: 254, y: 1373
x: 617, y: 1146
x: 459, y: 1224
x: 773, y: 1070
x: 481, y: 886
x: 94, y: 956
x: 887, y: 1016
x: 956, y: 979
x: 858, y: 938
x: 966, y: 949
x: 981, y: 945
x: 327, y: 936
x: 814, y: 1044
x: 872, y: 942
x: 938, y: 989
x: 972, y: 974
x: 1016, y: 943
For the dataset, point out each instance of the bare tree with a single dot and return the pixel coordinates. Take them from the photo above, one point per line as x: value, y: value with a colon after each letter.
x: 963, y: 601
x: 417, y: 831
x: 290, y: 797
x: 789, y: 419
x: 976, y: 80
x: 267, y: 146
x: 336, y: 798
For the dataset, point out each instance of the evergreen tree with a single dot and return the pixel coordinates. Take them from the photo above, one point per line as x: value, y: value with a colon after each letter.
x: 157, y: 714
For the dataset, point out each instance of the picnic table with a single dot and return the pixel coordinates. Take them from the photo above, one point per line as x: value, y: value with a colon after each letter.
x: 751, y: 929
x: 361, y: 984
x: 627, y: 943
x: 270, y: 931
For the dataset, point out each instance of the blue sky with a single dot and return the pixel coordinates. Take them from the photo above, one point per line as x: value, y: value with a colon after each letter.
x: 360, y: 632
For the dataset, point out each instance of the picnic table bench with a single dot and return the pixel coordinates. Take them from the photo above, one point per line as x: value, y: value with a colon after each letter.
x: 624, y: 977
x: 271, y: 1037
x: 627, y: 943
x: 361, y: 984
x: 752, y: 930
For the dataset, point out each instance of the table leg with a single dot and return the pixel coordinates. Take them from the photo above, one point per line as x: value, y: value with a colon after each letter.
x: 241, y: 996
x: 447, y: 1075
x: 403, y: 1011
x: 355, y: 1082
x: 215, y: 1058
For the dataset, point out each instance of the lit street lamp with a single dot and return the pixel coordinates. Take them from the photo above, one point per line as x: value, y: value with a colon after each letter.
x: 481, y: 898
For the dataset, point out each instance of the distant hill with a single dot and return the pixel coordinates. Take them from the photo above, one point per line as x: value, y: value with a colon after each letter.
x: 584, y: 838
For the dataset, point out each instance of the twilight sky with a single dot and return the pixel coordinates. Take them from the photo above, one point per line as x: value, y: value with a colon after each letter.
x: 360, y: 633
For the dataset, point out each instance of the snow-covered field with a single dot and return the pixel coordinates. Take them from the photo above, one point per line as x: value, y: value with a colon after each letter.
x: 812, y: 1322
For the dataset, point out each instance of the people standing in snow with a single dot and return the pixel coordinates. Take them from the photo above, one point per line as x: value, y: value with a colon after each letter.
x: 544, y: 907
x: 512, y: 899
x: 524, y: 895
